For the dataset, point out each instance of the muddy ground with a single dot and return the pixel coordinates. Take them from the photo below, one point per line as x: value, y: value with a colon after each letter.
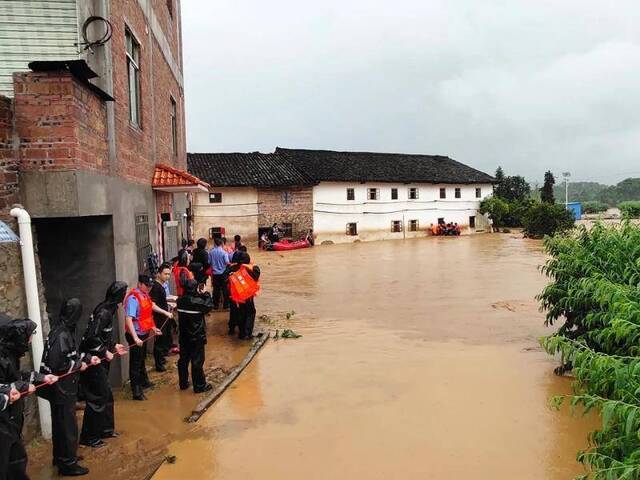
x: 419, y: 360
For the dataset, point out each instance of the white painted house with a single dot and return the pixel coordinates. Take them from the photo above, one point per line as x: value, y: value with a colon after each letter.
x: 376, y: 196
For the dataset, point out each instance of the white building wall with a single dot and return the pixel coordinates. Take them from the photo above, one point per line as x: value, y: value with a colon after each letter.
x: 332, y: 210
x: 238, y: 213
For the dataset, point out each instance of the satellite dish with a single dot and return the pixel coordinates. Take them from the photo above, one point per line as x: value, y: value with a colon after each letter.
x: 7, y: 235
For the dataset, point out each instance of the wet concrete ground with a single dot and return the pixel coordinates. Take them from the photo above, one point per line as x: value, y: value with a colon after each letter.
x: 419, y: 360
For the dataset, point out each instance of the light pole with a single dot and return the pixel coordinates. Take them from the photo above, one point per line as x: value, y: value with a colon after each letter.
x: 566, y: 176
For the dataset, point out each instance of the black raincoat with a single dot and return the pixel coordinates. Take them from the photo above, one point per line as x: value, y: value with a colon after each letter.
x: 14, y: 343
x: 98, y: 418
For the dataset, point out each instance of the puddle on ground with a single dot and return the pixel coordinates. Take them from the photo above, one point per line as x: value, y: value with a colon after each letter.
x: 418, y: 359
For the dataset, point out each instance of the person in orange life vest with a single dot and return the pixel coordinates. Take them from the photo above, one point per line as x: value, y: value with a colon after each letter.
x: 243, y: 314
x: 181, y: 272
x: 139, y: 324
x: 192, y: 308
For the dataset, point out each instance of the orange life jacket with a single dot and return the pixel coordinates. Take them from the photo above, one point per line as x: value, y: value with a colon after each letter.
x: 177, y: 271
x: 145, y: 310
x: 242, y: 286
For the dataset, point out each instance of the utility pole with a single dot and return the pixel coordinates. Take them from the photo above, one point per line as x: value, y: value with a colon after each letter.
x: 566, y: 176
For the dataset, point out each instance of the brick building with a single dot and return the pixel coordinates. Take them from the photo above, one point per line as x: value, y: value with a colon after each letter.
x: 248, y: 193
x: 92, y: 139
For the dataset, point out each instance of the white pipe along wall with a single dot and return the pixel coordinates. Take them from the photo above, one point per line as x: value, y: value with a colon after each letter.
x: 33, y: 305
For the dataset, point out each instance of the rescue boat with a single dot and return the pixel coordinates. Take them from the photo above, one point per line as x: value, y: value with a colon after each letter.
x: 289, y: 245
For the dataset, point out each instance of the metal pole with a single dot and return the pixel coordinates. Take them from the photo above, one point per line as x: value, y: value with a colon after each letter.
x: 33, y: 306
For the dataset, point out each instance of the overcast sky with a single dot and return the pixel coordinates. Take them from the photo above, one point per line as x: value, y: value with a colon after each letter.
x: 529, y: 85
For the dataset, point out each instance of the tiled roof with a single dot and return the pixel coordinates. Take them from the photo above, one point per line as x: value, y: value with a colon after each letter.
x: 246, y: 169
x: 326, y: 165
x: 166, y: 176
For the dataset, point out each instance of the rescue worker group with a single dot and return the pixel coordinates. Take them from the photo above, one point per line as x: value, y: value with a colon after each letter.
x: 70, y: 372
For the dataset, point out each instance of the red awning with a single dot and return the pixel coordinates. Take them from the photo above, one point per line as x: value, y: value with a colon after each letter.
x: 169, y: 179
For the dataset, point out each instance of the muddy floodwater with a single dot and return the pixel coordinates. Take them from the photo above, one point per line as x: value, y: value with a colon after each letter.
x: 419, y: 359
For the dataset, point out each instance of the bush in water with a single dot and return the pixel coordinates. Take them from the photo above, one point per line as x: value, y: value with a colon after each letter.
x: 546, y: 219
x: 594, y: 207
x: 596, y: 290
x: 630, y: 209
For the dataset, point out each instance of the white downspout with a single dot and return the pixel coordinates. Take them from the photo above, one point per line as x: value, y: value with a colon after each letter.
x: 33, y: 305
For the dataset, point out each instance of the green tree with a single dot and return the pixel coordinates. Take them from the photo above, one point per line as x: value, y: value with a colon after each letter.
x: 630, y: 209
x: 546, y: 192
x: 496, y: 208
x: 513, y: 188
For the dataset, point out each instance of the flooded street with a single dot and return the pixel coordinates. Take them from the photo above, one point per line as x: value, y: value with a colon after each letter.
x: 419, y: 359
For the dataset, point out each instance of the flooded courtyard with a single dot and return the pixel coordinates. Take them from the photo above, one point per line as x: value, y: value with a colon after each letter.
x: 419, y: 359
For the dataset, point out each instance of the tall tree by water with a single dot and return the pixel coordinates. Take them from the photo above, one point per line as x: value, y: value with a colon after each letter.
x: 546, y: 192
x: 511, y: 188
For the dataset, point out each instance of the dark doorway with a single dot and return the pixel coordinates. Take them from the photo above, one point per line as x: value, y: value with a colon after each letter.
x: 77, y: 260
x: 472, y: 222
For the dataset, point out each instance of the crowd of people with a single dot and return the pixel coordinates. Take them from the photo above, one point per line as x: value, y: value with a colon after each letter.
x: 446, y: 229
x: 71, y: 370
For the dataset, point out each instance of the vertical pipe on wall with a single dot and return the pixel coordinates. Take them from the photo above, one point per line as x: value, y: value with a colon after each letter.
x: 33, y: 305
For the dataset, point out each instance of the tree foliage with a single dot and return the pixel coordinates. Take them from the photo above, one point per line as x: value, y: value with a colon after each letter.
x: 542, y: 219
x: 594, y: 207
x: 595, y: 289
x: 630, y: 209
x: 512, y: 188
x: 546, y: 192
x: 496, y: 208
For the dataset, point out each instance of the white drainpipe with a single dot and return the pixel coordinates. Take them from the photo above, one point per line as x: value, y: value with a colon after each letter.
x: 33, y: 305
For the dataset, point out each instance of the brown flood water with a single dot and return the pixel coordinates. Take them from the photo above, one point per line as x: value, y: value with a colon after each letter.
x: 419, y: 360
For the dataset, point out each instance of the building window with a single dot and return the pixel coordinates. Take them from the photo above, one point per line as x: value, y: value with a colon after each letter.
x: 133, y: 75
x: 143, y: 245
x: 396, y: 226
x: 441, y: 221
x: 458, y: 193
x: 443, y: 193
x: 352, y: 229
x: 478, y: 193
x: 170, y: 7
x: 413, y: 225
x: 287, y: 198
x: 215, y: 197
x: 174, y: 126
x: 216, y: 232
x: 372, y: 194
x: 413, y: 193
x: 287, y: 230
x: 351, y: 194
x: 394, y: 194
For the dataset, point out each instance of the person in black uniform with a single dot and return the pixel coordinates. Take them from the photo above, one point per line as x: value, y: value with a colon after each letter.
x: 8, y: 395
x: 98, y: 421
x: 201, y: 255
x: 243, y: 315
x: 192, y: 308
x: 159, y: 291
x: 15, y: 336
x: 60, y: 357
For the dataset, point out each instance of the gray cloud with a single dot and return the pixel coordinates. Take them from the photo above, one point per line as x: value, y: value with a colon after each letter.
x: 529, y: 85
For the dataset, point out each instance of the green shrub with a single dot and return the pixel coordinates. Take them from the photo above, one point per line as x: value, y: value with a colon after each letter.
x: 496, y: 208
x: 594, y: 207
x: 630, y: 209
x: 543, y: 219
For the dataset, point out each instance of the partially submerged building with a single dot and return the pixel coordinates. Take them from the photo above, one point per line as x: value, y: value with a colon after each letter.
x: 343, y: 196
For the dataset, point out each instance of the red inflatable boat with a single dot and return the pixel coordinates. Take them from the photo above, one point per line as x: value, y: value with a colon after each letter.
x: 288, y: 245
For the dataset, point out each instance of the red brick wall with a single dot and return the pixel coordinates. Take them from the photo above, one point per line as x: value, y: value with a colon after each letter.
x: 139, y: 149
x: 60, y: 123
x: 8, y: 161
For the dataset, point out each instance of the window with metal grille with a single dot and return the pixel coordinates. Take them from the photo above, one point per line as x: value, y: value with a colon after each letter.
x: 143, y: 245
x: 351, y: 194
x: 133, y: 74
x: 396, y: 226
x: 215, y: 197
x: 458, y: 193
x: 174, y: 126
x: 372, y: 194
x: 478, y: 193
x: 352, y: 229
x: 394, y: 194
x: 443, y: 193
x: 413, y: 225
x: 287, y: 198
x: 216, y: 232
x: 414, y: 193
x: 287, y: 230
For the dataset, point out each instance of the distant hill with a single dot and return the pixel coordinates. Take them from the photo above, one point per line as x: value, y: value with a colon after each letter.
x: 612, y: 195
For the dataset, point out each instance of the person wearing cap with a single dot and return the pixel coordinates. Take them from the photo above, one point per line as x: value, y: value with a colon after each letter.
x: 139, y: 325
